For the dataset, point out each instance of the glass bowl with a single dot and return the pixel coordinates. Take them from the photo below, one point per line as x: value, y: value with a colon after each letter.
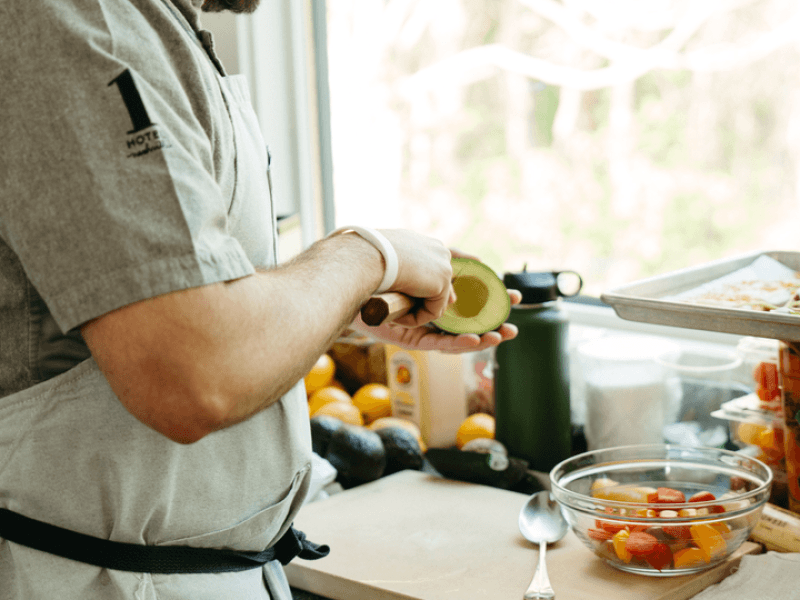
x: 662, y: 510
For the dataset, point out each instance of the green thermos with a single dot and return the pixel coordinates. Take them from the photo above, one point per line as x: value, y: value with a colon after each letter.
x: 531, y: 376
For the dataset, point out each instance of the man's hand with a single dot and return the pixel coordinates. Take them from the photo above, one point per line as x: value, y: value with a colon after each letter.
x: 425, y: 272
x: 427, y: 337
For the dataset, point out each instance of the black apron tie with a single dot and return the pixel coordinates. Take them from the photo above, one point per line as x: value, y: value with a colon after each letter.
x: 123, y: 556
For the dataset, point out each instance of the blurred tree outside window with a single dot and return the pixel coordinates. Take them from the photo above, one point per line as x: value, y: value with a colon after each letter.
x: 619, y: 138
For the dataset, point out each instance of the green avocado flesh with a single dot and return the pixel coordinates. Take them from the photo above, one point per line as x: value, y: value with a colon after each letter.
x: 482, y: 303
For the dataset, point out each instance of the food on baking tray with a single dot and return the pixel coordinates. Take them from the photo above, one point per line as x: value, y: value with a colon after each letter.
x: 764, y: 285
x: 780, y: 296
x: 662, y: 529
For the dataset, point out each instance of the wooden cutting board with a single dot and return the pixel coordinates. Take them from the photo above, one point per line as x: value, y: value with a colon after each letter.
x: 416, y: 536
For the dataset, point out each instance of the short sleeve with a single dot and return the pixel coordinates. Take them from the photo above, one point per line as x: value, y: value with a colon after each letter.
x: 111, y: 192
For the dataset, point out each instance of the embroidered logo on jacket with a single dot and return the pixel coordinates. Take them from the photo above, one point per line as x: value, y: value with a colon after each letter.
x: 144, y: 137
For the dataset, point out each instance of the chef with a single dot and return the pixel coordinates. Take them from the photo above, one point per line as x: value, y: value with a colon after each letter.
x: 154, y: 436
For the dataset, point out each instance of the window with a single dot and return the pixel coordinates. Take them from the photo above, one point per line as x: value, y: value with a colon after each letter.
x: 620, y: 139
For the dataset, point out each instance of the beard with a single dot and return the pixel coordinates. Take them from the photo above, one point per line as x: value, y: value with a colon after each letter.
x: 236, y: 6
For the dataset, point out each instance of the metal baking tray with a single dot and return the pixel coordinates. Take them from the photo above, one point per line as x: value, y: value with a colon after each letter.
x: 642, y: 301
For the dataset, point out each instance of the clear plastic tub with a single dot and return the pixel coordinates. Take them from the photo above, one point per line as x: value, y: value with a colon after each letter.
x: 760, y: 370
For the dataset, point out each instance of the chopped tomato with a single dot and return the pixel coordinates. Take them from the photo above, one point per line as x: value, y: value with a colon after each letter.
x: 640, y: 543
x: 660, y: 557
x: 702, y: 497
x: 765, y: 374
x: 679, y: 532
x: 612, y: 528
x: 767, y: 395
x: 668, y: 496
x: 599, y: 535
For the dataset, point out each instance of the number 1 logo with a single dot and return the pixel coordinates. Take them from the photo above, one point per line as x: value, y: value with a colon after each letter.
x: 133, y: 101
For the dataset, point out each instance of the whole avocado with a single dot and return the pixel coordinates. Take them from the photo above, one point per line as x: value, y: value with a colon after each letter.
x: 402, y: 450
x: 357, y: 454
x: 322, y: 429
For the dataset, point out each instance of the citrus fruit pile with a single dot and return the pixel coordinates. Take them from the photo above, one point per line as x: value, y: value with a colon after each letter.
x: 356, y: 433
x: 327, y: 396
x: 359, y: 436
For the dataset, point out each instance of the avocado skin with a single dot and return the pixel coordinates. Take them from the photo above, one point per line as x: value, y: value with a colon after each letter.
x: 357, y: 454
x: 402, y: 450
x: 473, y: 467
x: 322, y: 429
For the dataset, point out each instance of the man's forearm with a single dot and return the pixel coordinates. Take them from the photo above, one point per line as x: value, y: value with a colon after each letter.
x: 190, y: 362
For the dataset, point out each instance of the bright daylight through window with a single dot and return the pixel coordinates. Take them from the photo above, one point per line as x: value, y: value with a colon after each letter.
x: 617, y: 138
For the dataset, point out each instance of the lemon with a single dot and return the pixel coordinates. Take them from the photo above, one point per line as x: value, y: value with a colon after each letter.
x: 325, y: 396
x: 374, y: 400
x: 320, y: 375
x: 478, y: 425
x: 347, y: 412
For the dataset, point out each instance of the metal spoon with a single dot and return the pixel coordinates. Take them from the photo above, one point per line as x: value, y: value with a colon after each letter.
x: 541, y: 522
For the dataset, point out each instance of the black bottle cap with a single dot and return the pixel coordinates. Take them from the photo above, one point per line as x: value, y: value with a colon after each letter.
x: 537, y: 288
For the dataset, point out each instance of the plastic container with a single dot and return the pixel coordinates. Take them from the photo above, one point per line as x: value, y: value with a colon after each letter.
x: 758, y: 433
x: 627, y: 397
x: 531, y: 382
x: 704, y: 379
x: 760, y: 370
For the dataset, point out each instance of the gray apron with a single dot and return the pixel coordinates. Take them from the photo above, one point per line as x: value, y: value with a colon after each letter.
x: 72, y: 456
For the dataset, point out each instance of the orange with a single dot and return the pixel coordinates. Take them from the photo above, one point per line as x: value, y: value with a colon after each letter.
x: 325, y: 396
x: 749, y: 433
x: 374, y: 400
x: 344, y: 411
x: 320, y: 375
x: 411, y: 427
x: 770, y: 440
x: 478, y: 425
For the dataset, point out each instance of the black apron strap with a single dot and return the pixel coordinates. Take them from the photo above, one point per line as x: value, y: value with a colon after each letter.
x: 150, y: 559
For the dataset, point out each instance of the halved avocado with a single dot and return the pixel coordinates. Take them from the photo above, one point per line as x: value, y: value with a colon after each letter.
x: 482, y: 303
